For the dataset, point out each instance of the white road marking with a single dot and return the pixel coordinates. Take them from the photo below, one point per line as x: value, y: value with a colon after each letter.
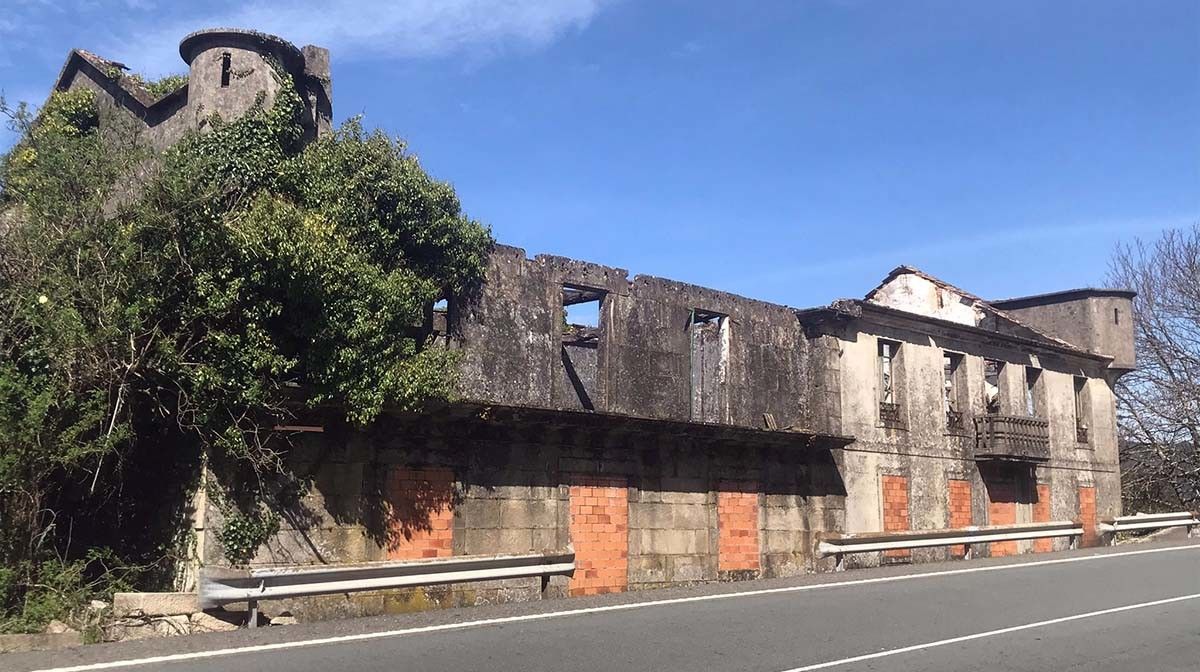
x: 343, y: 639
x: 990, y: 633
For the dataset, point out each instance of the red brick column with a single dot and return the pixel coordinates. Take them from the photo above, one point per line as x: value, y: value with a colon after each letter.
x: 960, y: 509
x: 600, y: 533
x: 1087, y: 515
x: 737, y: 526
x: 1041, y: 514
x: 895, y: 510
x: 421, y: 520
x: 1002, y: 510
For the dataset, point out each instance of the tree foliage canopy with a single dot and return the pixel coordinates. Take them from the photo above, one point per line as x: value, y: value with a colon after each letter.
x: 158, y: 307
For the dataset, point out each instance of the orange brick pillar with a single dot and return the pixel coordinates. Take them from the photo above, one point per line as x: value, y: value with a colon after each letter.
x: 421, y: 520
x: 1002, y: 510
x: 1041, y: 514
x: 1087, y: 515
x: 895, y: 509
x: 737, y: 526
x: 600, y: 533
x: 960, y: 509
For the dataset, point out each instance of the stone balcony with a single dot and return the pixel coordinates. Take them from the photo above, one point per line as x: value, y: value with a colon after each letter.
x: 1014, y: 438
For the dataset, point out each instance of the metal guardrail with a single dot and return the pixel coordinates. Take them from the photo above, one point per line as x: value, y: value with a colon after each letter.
x: 1149, y: 521
x: 841, y: 545
x: 220, y: 586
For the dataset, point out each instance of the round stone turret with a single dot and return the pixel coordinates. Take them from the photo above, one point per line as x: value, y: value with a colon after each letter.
x: 230, y: 67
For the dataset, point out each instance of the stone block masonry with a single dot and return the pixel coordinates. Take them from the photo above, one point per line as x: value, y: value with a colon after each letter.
x: 737, y: 525
x: 600, y: 534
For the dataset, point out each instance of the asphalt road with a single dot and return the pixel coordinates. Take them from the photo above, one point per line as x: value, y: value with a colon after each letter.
x: 1129, y: 608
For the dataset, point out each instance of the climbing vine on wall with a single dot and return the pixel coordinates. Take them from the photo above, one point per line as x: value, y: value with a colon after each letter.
x: 244, y: 276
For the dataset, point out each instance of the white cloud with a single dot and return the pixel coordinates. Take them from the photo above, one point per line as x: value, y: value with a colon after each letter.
x: 372, y: 28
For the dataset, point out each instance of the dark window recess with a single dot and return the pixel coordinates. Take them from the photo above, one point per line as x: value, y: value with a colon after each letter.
x: 1116, y: 315
x: 1032, y: 391
x: 225, y: 68
x: 889, y: 402
x: 436, y: 323
x: 706, y: 332
x: 991, y: 385
x: 889, y: 414
x: 582, y: 315
x: 887, y: 365
x: 952, y: 390
x: 1082, y: 410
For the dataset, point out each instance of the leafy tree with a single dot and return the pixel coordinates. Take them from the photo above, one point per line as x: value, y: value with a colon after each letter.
x: 158, y: 312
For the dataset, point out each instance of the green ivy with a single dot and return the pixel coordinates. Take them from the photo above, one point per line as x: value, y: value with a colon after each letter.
x: 156, y: 309
x: 242, y: 534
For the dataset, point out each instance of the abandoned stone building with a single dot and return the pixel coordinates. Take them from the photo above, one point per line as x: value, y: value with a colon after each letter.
x: 682, y: 434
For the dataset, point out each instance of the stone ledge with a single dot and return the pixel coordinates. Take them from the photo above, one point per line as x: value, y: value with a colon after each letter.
x: 39, y: 642
x: 127, y: 605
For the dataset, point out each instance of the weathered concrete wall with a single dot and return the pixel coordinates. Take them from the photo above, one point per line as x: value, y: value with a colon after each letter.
x: 930, y: 455
x: 1099, y: 321
x: 649, y: 357
x: 159, y: 128
x: 230, y: 72
x: 918, y: 294
x: 512, y: 493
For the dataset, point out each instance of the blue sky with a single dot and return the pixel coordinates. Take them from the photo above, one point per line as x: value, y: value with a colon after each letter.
x: 789, y: 151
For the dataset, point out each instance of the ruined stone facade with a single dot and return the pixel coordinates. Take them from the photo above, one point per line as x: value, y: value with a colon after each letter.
x: 692, y: 435
x: 681, y: 434
x: 230, y: 70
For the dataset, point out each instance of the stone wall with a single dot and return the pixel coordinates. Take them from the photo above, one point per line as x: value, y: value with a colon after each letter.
x: 1098, y: 320
x: 662, y: 349
x: 641, y: 509
x: 230, y: 71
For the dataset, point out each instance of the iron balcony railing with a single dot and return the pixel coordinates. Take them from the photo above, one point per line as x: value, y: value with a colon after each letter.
x: 954, y: 421
x: 1012, y: 437
x: 1081, y: 434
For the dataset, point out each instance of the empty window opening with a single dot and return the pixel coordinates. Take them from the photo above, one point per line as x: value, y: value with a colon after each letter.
x: 709, y: 355
x: 992, y: 370
x: 1032, y: 391
x: 582, y: 311
x: 226, y: 59
x: 887, y: 369
x: 581, y: 307
x: 436, y: 324
x: 1082, y: 410
x: 952, y: 387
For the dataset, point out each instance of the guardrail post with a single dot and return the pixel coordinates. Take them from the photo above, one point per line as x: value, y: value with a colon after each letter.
x: 253, y: 612
x: 1075, y: 541
x: 969, y: 552
x: 1193, y: 531
x: 840, y: 562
